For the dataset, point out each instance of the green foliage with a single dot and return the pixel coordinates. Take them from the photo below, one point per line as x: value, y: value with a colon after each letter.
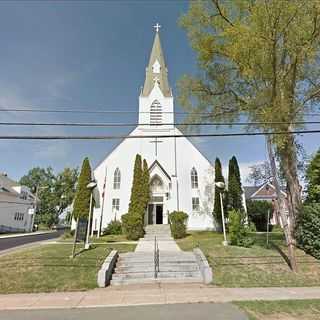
x: 313, y: 179
x: 178, y: 224
x: 145, y: 183
x: 258, y: 213
x: 234, y: 185
x: 82, y: 198
x: 54, y: 191
x: 307, y: 231
x: 258, y: 60
x: 133, y: 221
x: 238, y: 232
x: 218, y: 177
x: 132, y: 226
x: 114, y: 227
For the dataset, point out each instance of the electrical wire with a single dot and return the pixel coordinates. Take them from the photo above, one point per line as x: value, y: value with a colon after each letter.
x: 116, y: 137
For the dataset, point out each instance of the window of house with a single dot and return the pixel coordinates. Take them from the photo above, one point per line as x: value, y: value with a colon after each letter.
x: 115, y: 204
x: 194, y: 179
x: 195, y: 204
x: 116, y: 179
x: 155, y: 113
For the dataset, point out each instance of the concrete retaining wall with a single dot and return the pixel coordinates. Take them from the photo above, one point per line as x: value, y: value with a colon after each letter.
x: 204, y: 266
x: 105, y: 272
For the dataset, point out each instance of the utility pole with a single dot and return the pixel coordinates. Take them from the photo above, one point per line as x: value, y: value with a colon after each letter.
x: 284, y: 218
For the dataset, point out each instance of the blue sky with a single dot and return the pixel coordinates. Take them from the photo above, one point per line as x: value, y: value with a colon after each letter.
x: 92, y: 55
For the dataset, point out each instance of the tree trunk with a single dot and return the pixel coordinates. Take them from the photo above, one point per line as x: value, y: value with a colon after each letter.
x: 288, y: 221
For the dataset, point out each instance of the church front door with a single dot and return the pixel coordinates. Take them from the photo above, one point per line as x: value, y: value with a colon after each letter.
x: 159, y: 214
x: 155, y: 213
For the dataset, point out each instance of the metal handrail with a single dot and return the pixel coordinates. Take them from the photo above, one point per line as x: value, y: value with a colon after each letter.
x: 156, y: 258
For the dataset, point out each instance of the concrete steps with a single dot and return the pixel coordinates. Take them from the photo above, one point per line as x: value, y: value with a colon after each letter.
x: 174, y: 264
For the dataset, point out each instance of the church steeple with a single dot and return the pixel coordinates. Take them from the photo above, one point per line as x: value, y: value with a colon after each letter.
x: 156, y: 71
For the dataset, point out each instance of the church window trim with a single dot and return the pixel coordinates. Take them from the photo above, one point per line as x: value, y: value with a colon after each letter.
x: 155, y: 113
x: 117, y: 179
x: 194, y: 178
x: 195, y: 204
x: 115, y: 204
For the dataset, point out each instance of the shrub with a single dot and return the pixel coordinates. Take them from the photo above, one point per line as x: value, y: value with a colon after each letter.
x: 258, y: 214
x: 114, y: 227
x: 307, y: 231
x: 178, y: 224
x: 132, y: 226
x: 238, y: 231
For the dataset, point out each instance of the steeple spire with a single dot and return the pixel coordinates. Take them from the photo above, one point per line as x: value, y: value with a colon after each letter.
x: 156, y: 69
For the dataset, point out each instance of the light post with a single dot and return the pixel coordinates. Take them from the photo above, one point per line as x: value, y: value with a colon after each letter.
x: 90, y: 186
x: 221, y: 187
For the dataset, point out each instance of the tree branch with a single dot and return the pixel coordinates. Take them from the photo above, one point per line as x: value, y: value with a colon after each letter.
x: 216, y: 3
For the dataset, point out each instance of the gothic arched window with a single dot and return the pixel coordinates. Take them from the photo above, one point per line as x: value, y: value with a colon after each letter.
x: 155, y: 113
x: 116, y: 179
x: 194, y: 178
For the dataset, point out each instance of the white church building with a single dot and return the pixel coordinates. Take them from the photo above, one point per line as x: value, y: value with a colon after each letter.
x: 181, y: 178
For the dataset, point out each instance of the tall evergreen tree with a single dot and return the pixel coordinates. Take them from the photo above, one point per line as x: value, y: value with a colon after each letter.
x: 146, y: 183
x: 136, y: 205
x: 234, y: 185
x: 82, y: 198
x: 313, y: 179
x: 218, y: 177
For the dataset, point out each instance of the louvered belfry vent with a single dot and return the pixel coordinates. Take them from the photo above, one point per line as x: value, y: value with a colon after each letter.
x: 155, y: 113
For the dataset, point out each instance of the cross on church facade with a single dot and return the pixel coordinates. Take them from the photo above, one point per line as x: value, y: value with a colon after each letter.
x: 156, y: 141
x: 157, y: 27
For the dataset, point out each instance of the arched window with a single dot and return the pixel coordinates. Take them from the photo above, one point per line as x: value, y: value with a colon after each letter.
x: 156, y: 184
x: 116, y: 179
x: 155, y: 113
x: 194, y: 178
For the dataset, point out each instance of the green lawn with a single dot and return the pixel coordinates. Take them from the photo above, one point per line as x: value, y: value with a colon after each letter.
x: 287, y: 309
x: 257, y: 266
x: 67, y: 237
x: 48, y: 268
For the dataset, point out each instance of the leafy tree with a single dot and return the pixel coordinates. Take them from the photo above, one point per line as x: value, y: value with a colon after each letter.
x: 82, y: 198
x: 218, y: 177
x: 55, y: 192
x: 234, y: 185
x: 259, y: 59
x: 259, y: 173
x: 313, y: 179
x: 258, y: 213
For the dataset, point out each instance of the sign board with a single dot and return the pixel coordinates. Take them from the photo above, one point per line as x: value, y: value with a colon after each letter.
x: 31, y: 211
x: 81, y: 230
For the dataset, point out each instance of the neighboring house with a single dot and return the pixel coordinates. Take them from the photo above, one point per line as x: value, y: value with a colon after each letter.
x: 266, y: 192
x: 181, y: 178
x: 16, y: 206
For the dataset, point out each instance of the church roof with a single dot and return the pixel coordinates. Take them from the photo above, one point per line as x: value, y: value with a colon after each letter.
x: 156, y: 69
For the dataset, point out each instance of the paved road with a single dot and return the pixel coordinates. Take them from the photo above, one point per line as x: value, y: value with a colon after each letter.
x: 200, y: 311
x: 8, y: 243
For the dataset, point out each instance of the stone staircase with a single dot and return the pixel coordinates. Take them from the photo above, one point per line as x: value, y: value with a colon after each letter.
x: 174, y: 265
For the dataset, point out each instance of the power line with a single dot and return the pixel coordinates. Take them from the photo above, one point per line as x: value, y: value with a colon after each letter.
x: 116, y: 137
x: 103, y: 124
x: 92, y: 111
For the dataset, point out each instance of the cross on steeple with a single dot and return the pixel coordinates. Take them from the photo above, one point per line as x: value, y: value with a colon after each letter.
x: 157, y: 27
x: 156, y: 141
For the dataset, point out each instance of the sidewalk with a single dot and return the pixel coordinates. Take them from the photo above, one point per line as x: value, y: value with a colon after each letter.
x: 150, y: 294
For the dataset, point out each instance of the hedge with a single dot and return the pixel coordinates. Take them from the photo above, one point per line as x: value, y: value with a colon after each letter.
x: 178, y: 224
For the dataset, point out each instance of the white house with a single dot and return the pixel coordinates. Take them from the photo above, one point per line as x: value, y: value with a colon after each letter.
x: 181, y: 177
x: 16, y: 206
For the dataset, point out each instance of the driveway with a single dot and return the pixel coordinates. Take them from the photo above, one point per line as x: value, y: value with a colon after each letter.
x: 199, y: 311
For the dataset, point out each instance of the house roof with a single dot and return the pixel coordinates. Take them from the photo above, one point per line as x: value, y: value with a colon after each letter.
x: 6, y: 184
x: 261, y: 192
